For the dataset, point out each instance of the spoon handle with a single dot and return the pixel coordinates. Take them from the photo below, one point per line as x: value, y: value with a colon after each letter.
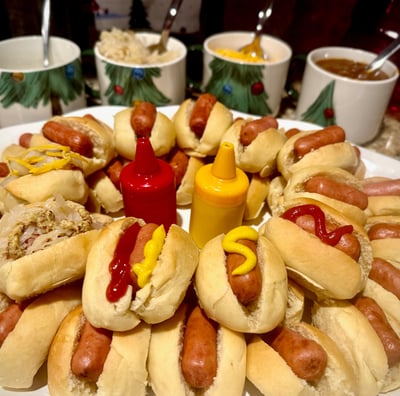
x: 45, y: 31
x: 378, y: 62
x: 263, y: 15
x: 169, y: 20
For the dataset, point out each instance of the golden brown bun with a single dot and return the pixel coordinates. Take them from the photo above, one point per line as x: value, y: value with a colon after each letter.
x: 218, y: 300
x: 165, y: 374
x: 256, y: 196
x: 155, y: 302
x: 275, y: 198
x: 269, y: 372
x: 341, y: 155
x: 184, y: 192
x: 295, y: 188
x: 124, y: 371
x: 319, y: 267
x: 357, y: 340
x: 219, y: 121
x: 260, y: 155
x: 49, y: 265
x: 162, y: 135
x: 26, y: 348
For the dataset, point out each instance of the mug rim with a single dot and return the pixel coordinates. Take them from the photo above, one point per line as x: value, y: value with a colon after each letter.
x: 74, y: 56
x: 311, y: 60
x: 284, y: 44
x: 174, y: 61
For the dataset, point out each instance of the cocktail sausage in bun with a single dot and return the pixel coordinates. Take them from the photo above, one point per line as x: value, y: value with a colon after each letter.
x: 298, y: 359
x: 137, y: 272
x: 241, y: 281
x: 192, y: 355
x: 200, y: 125
x: 27, y: 331
x: 45, y: 245
x: 323, y: 251
x: 383, y: 196
x: 85, y: 360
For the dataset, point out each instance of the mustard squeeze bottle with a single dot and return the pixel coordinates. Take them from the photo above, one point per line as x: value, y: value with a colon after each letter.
x: 148, y: 187
x: 219, y: 197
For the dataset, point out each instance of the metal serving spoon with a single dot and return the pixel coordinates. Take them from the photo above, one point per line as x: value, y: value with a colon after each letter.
x: 161, y: 46
x: 378, y: 62
x: 254, y: 48
x: 45, y: 31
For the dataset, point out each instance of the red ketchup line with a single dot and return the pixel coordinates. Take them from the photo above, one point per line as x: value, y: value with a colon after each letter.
x: 330, y: 238
x: 119, y: 266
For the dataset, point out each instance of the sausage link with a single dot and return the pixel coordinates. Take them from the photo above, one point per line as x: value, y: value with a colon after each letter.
x: 178, y: 160
x: 305, y: 357
x: 113, y: 171
x: 201, y: 112
x: 337, y: 190
x: 91, y: 352
x: 25, y: 139
x: 377, y: 318
x: 199, y: 354
x: 348, y: 243
x: 329, y: 135
x: 386, y: 274
x: 251, y: 129
x: 291, y: 132
x: 4, y: 169
x: 143, y: 117
x: 67, y: 136
x: 246, y: 288
x: 383, y: 231
x: 8, y: 320
x: 382, y: 187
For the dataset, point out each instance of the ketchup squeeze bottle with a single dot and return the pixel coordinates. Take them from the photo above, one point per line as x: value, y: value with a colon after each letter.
x: 219, y: 197
x: 148, y: 187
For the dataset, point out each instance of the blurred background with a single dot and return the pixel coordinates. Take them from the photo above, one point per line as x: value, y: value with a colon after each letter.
x: 303, y: 24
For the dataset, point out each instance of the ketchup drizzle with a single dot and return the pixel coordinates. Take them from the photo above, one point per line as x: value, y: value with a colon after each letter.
x: 330, y: 238
x: 119, y: 266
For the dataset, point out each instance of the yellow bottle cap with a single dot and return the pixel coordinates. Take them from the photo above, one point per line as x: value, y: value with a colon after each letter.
x: 222, y: 183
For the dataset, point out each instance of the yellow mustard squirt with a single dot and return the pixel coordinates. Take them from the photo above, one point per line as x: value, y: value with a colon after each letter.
x: 230, y: 245
x: 152, y: 250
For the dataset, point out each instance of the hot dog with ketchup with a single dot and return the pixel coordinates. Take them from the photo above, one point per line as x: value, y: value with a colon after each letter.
x: 200, y: 125
x: 241, y: 281
x: 298, y: 359
x: 85, y: 360
x: 323, y: 250
x: 204, y: 357
x: 137, y: 272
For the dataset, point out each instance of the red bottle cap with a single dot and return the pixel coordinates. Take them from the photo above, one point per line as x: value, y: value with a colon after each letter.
x: 148, y: 187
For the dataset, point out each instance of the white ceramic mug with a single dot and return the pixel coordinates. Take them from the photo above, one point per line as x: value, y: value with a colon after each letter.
x: 160, y: 83
x: 358, y: 106
x: 30, y: 91
x: 254, y: 88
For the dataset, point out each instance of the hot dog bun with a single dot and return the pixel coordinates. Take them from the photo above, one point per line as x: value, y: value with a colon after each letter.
x: 270, y: 373
x: 32, y: 264
x: 220, y: 303
x: 162, y: 136
x: 256, y: 196
x: 164, y: 364
x: 216, y: 125
x: 323, y: 269
x: 26, y: 348
x: 124, y: 370
x: 157, y: 300
x: 344, y: 323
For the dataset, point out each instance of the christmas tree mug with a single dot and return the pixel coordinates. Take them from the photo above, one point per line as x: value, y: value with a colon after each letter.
x: 253, y: 86
x: 331, y: 95
x: 30, y: 91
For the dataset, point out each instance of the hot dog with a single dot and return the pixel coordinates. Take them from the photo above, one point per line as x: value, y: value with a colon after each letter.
x: 298, y: 359
x: 143, y: 119
x: 332, y: 259
x: 333, y: 186
x: 84, y: 359
x: 25, y: 347
x: 233, y: 303
x: 119, y: 292
x: 45, y: 245
x: 204, y: 357
x: 383, y: 196
x: 209, y: 118
x: 257, y: 143
x: 344, y: 324
x: 321, y: 147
